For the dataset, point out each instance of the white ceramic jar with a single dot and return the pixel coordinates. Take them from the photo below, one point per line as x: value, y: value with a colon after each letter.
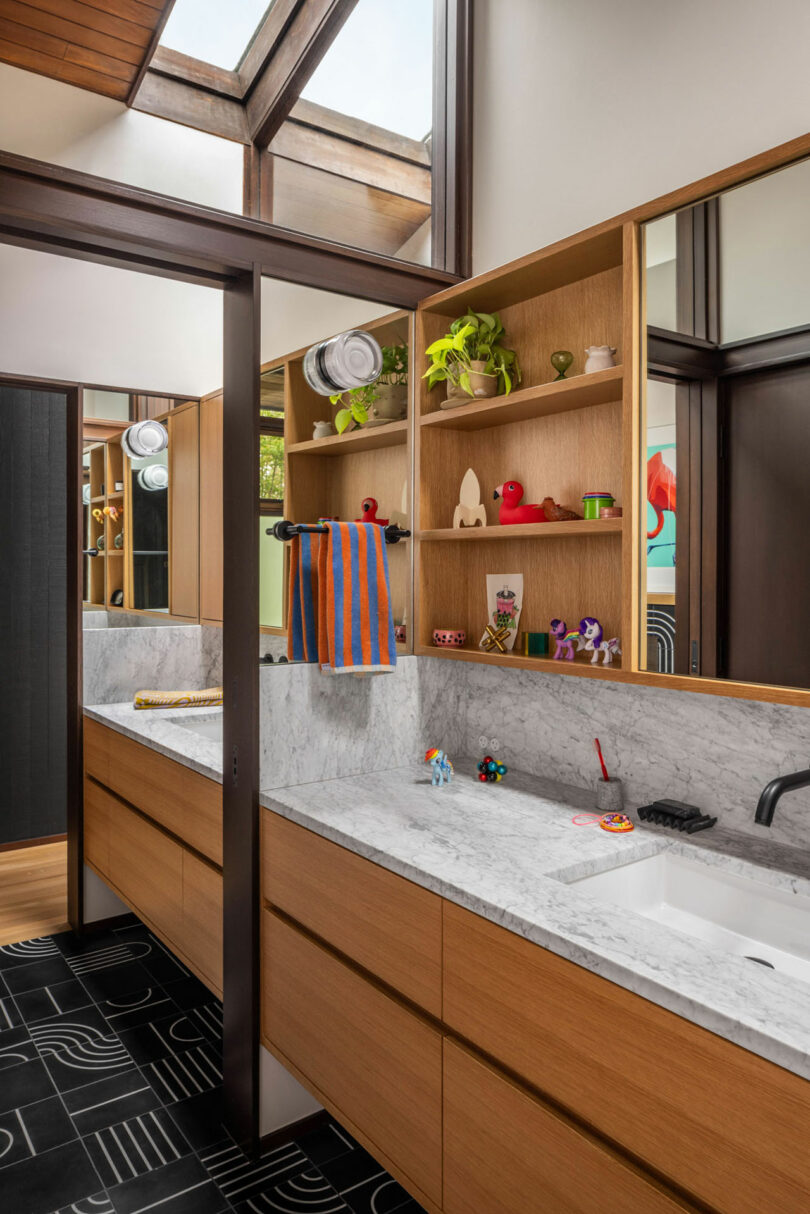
x: 600, y: 358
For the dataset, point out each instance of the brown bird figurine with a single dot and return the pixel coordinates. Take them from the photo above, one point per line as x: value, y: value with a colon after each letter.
x: 557, y: 514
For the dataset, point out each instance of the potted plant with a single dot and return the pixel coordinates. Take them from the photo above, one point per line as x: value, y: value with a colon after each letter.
x: 391, y: 403
x: 472, y: 359
x: 354, y: 406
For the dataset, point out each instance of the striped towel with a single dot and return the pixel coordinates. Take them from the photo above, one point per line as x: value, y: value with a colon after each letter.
x: 208, y: 698
x: 340, y: 600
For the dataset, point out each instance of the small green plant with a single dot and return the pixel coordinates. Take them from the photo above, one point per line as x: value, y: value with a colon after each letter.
x: 356, y: 402
x: 473, y: 337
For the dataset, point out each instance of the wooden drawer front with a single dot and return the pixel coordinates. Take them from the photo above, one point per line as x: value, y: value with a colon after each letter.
x: 202, y: 918
x: 383, y: 922
x: 97, y: 826
x: 377, y: 1062
x: 186, y: 803
x: 721, y: 1122
x: 505, y: 1153
x: 147, y: 867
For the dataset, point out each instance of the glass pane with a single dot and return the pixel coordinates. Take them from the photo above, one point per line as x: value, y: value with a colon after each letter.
x: 271, y: 467
x: 659, y: 527
x: 215, y: 31
x: 112, y: 406
x: 660, y: 260
x: 150, y: 534
x: 271, y: 577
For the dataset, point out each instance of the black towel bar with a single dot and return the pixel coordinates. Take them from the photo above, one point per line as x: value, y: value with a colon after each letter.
x: 284, y: 530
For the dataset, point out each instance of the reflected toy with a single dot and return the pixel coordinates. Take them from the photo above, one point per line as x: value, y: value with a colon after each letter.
x: 469, y: 510
x: 369, y: 509
x: 565, y: 639
x: 511, y: 511
x: 491, y: 770
x: 592, y: 639
x: 440, y: 765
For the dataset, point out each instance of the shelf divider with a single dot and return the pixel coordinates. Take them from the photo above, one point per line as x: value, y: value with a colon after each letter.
x: 526, y: 531
x: 540, y: 400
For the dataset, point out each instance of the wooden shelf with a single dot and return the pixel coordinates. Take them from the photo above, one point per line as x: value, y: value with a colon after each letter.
x: 579, y: 667
x: 542, y: 400
x: 394, y: 434
x: 116, y: 552
x: 525, y: 531
x: 98, y: 498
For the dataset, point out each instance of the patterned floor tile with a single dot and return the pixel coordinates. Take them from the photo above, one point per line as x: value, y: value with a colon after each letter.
x: 241, y: 1178
x: 160, y: 1038
x: 187, y: 993
x: 51, y: 1001
x: 99, y: 1203
x: 114, y: 980
x: 25, y: 1084
x: 208, y: 1019
x: 56, y: 1178
x: 46, y: 971
x: 304, y: 1192
x: 10, y: 1017
x: 15, y: 1047
x: 125, y: 1011
x: 379, y: 1195
x: 325, y: 1142
x: 200, y: 1118
x: 30, y: 1131
x: 133, y: 1148
x: 77, y: 1052
x: 182, y: 1187
x: 28, y: 951
x: 108, y: 1101
x: 185, y: 1074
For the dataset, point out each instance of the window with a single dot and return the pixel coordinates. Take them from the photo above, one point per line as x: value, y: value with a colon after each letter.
x: 214, y: 31
x: 271, y: 443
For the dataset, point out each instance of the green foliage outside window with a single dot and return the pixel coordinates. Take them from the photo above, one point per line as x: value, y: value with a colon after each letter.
x: 271, y: 467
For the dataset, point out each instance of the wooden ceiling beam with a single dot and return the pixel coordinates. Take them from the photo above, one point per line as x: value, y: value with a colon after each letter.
x: 196, y: 72
x: 164, y: 8
x: 175, y: 99
x: 308, y: 36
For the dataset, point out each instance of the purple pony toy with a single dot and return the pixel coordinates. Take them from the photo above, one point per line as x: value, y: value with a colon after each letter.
x: 592, y: 637
x: 565, y: 640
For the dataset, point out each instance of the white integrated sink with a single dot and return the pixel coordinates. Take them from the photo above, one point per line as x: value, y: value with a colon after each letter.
x: 205, y: 727
x: 736, y: 913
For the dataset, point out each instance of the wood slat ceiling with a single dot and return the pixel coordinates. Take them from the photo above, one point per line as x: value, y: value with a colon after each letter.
x: 100, y: 45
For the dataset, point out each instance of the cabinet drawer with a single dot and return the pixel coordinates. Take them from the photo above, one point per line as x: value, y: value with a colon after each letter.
x: 377, y: 1063
x: 720, y: 1122
x: 386, y: 924
x: 186, y: 803
x: 505, y: 1153
x: 202, y: 918
x: 147, y: 867
x: 97, y: 826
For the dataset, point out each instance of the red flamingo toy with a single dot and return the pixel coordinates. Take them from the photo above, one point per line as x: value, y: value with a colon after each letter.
x: 369, y: 508
x: 511, y: 511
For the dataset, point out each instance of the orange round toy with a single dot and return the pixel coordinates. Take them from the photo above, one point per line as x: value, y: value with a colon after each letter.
x: 618, y: 823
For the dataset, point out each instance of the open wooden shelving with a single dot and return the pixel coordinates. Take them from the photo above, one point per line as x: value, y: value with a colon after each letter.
x: 394, y: 434
x: 541, y: 400
x: 558, y: 438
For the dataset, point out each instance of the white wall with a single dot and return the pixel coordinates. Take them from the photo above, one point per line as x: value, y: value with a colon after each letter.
x: 585, y: 109
x: 295, y: 316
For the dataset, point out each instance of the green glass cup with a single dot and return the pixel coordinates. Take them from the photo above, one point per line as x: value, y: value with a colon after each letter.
x: 561, y: 360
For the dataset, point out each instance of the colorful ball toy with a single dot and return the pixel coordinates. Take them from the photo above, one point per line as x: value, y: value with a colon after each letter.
x: 490, y: 770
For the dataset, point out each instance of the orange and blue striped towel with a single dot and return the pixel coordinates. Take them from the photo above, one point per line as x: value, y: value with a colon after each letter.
x: 340, y: 600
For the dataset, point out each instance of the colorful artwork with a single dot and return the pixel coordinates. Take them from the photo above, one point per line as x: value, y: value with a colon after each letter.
x: 504, y: 605
x: 661, y: 502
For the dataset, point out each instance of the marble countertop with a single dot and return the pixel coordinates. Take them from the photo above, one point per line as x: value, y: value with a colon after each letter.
x: 163, y: 730
x: 505, y: 852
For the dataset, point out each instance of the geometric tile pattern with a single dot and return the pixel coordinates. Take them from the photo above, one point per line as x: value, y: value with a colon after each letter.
x: 111, y: 1096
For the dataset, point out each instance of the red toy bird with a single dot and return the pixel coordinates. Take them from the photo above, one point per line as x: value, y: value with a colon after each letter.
x: 511, y: 511
x: 369, y: 508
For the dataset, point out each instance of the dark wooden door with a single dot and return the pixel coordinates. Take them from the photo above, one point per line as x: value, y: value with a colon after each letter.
x: 767, y: 524
x: 34, y: 614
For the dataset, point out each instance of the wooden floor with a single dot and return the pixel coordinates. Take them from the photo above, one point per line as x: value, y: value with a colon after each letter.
x: 33, y: 892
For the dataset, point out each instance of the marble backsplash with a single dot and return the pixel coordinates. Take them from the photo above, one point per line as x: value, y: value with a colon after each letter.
x: 120, y: 661
x: 712, y: 751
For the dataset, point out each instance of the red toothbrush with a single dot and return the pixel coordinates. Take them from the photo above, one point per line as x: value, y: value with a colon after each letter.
x: 598, y: 750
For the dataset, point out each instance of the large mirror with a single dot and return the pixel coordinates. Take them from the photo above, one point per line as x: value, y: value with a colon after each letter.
x: 725, y: 579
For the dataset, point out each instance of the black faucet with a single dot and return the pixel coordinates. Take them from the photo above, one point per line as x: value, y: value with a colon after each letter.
x: 773, y: 791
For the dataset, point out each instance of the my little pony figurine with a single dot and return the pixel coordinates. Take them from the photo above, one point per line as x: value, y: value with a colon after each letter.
x: 565, y: 638
x: 592, y: 637
x: 441, y: 767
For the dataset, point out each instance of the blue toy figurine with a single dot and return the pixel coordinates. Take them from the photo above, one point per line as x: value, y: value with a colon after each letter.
x: 441, y: 767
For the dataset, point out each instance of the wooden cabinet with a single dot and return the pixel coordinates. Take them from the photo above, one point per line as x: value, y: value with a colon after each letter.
x: 388, y: 925
x: 96, y: 826
x: 376, y: 1064
x: 184, y: 802
x: 202, y: 917
x: 726, y: 1125
x: 506, y: 1153
x: 146, y: 866
x: 211, y: 528
x: 184, y: 527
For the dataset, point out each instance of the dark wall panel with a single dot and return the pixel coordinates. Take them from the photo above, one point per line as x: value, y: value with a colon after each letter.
x: 33, y: 614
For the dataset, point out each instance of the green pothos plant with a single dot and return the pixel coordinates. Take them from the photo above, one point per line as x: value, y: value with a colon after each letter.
x: 355, y: 403
x: 473, y: 337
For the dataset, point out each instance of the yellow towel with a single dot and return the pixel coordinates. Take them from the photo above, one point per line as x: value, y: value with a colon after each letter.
x: 208, y: 698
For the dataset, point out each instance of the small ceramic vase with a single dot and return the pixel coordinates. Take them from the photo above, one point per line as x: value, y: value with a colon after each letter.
x: 609, y: 796
x: 483, y: 385
x: 322, y: 430
x: 391, y: 404
x: 561, y: 360
x: 599, y: 358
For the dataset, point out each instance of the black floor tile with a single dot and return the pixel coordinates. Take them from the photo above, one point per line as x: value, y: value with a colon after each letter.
x: 180, y: 1075
x: 55, y: 1178
x: 15, y: 1047
x: 208, y: 1019
x: 10, y: 1017
x: 51, y: 1001
x: 28, y: 951
x: 99, y: 1203
x: 71, y: 945
x: 200, y: 1118
x: 111, y: 982
x: 30, y: 976
x: 182, y: 1187
x: 161, y: 1038
x: 379, y: 1195
x: 84, y: 1055
x: 129, y: 1010
x: 36, y: 1128
x: 133, y: 1148
x: 110, y: 1100
x: 304, y: 1192
x: 25, y: 1084
x: 351, y: 1168
x: 325, y: 1142
x: 187, y: 993
x: 241, y: 1178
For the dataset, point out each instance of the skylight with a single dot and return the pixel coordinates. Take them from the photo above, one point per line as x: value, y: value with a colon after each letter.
x: 380, y: 67
x: 216, y: 31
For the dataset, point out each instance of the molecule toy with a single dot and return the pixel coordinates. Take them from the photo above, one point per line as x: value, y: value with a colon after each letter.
x: 490, y: 770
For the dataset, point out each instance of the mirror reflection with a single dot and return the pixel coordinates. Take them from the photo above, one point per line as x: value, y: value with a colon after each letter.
x: 725, y: 585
